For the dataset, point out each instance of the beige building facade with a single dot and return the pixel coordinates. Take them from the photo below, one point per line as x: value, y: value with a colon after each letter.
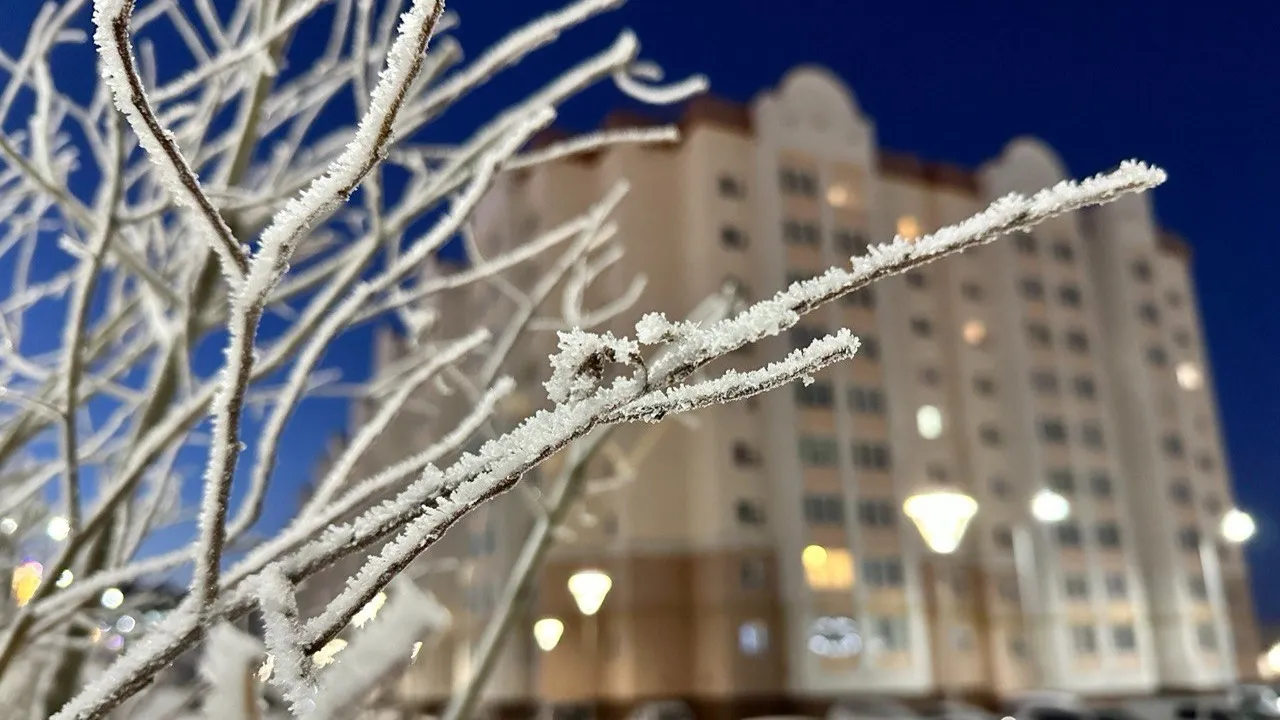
x: 761, y: 563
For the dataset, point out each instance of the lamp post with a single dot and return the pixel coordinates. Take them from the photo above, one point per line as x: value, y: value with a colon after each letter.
x: 942, y: 516
x: 589, y: 588
x: 1047, y: 508
x: 1236, y: 527
x: 546, y: 633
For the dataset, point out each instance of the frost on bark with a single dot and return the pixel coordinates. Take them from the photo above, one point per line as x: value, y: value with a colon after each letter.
x: 199, y: 195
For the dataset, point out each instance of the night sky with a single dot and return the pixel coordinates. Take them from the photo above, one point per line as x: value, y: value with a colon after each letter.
x: 1099, y: 81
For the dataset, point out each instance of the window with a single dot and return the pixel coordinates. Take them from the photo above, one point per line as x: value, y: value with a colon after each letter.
x: 1069, y: 295
x: 1002, y: 537
x: 1044, y: 382
x: 1032, y: 289
x: 937, y: 472
x: 930, y: 376
x: 1085, y: 387
x: 869, y: 347
x: 916, y: 279
x: 1189, y: 539
x: 1068, y: 534
x: 1123, y: 638
x: 817, y: 451
x: 803, y: 336
x: 1180, y: 491
x: 1196, y: 585
x: 1018, y: 646
x: 1157, y: 356
x: 752, y: 573
x: 827, y: 568
x: 850, y: 241
x: 1189, y: 377
x: 1205, y: 462
x: 974, y: 332
x: 1061, y: 480
x: 1077, y: 341
x: 1149, y: 313
x: 921, y: 327
x: 749, y: 512
x: 730, y: 187
x: 1109, y: 535
x: 753, y: 637
x: 877, y: 513
x: 972, y: 291
x: 1062, y: 251
x: 1207, y: 636
x: 908, y: 227
x: 1077, y: 586
x: 814, y: 395
x: 984, y: 385
x: 1038, y: 334
x: 1053, y: 430
x: 1117, y: 585
x: 798, y: 182
x: 838, y: 196
x: 866, y: 400
x: 1182, y: 338
x: 1091, y: 434
x: 1141, y: 270
x: 883, y: 572
x: 746, y: 456
x: 989, y: 435
x: 1100, y: 483
x: 1173, y: 298
x: 1172, y: 445
x: 1000, y: 487
x: 795, y: 232
x: 733, y: 238
x: 868, y: 456
x: 864, y: 298
x: 824, y: 509
x: 929, y: 422
x: 890, y: 632
x: 1025, y: 242
x: 1084, y: 639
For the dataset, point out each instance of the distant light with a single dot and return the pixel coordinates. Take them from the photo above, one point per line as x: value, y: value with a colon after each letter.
x: 589, y: 588
x: 814, y: 556
x: 58, y: 528
x: 112, y: 598
x: 547, y: 632
x: 837, y: 196
x: 65, y: 578
x: 974, y: 332
x: 126, y: 624
x: 8, y: 526
x: 929, y: 422
x: 1189, y: 376
x: 327, y: 654
x: 115, y: 642
x: 1050, y: 507
x: 26, y: 578
x: 908, y: 227
x: 941, y: 516
x: 1238, y: 526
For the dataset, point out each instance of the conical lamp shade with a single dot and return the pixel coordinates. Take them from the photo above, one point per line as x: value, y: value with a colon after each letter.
x: 941, y: 516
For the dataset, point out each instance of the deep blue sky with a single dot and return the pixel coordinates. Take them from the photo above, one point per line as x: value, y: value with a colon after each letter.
x: 1191, y: 90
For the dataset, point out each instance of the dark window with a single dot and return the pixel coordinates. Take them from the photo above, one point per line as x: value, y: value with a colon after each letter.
x: 1053, y: 430
x: 1182, y: 338
x: 886, y: 572
x: 867, y: 456
x: 730, y: 186
x: 1157, y: 356
x: 1076, y: 586
x: 1173, y: 446
x: 850, y: 241
x: 1085, y: 387
x: 818, y: 394
x: 1063, y: 251
x: 921, y: 327
x: 1124, y: 637
x: 990, y: 435
x: 1000, y: 487
x: 1039, y: 334
x: 1044, y: 382
x: 1109, y: 535
x: 866, y: 400
x: 1148, y: 312
x: 1077, y: 341
x: 1091, y: 435
x: 1068, y: 534
x: 972, y: 291
x: 916, y: 279
x: 1189, y: 538
x: 824, y: 509
x: 984, y: 385
x: 1205, y: 462
x: 795, y: 232
x: 877, y: 513
x: 1100, y: 482
x: 1069, y: 295
x: 1141, y: 270
x: 1117, y: 585
x: 751, y: 573
x: 746, y: 456
x: 1173, y: 298
x: 1002, y: 537
x: 804, y: 335
x: 1032, y: 289
x: 1061, y: 480
x: 930, y: 376
x: 732, y: 237
x: 937, y: 472
x: 869, y: 348
x: 1198, y: 588
x: 1180, y: 491
x: 1025, y: 242
x: 750, y: 512
x: 864, y: 298
x: 798, y: 182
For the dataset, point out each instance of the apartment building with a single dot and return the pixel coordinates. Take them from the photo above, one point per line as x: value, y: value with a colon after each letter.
x: 761, y: 562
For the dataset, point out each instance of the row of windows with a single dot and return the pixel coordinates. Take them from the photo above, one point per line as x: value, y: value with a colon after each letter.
x: 1084, y: 638
x: 1028, y: 244
x: 820, y: 394
x: 1054, y: 430
x: 822, y: 452
x: 1063, y: 480
x: 1069, y: 535
x: 828, y: 568
x: 1076, y: 586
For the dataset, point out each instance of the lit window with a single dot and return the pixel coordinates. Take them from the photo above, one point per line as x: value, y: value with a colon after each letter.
x: 838, y: 196
x: 827, y: 568
x: 974, y: 332
x: 1189, y: 376
x: 753, y: 637
x: 929, y: 422
x: 908, y: 227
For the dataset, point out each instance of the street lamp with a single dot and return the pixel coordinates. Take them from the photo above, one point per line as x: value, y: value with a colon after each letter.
x: 942, y: 516
x: 1047, y: 507
x: 547, y: 633
x: 1050, y: 507
x: 589, y: 588
x: 1236, y: 527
